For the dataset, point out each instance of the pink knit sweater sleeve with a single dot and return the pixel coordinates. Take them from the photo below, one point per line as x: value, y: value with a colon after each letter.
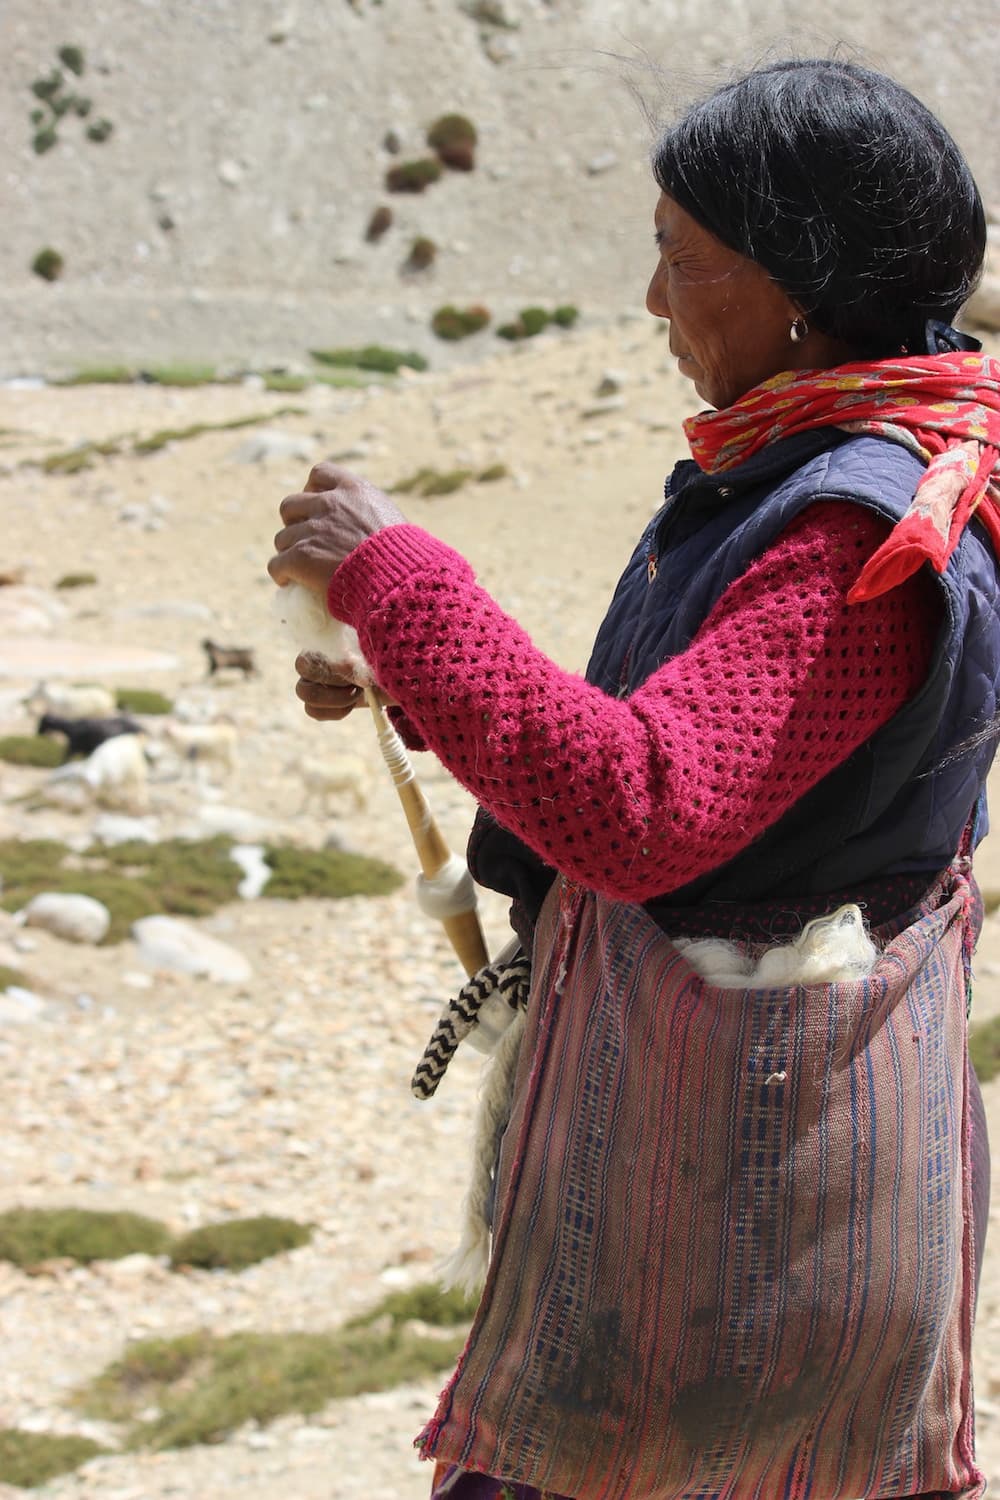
x: 635, y: 797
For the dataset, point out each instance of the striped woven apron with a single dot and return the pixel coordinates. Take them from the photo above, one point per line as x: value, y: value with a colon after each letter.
x: 733, y: 1249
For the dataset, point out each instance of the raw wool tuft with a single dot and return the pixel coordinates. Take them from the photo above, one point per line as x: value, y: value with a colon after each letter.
x: 467, y: 1267
x: 829, y: 950
x: 316, y: 631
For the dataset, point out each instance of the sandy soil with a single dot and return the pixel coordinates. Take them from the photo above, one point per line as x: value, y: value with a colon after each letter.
x: 288, y: 1093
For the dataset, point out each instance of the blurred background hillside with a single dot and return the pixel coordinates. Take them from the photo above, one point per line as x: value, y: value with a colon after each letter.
x: 212, y: 203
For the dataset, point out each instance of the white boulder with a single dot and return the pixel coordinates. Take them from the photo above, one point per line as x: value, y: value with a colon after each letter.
x: 76, y: 918
x: 168, y: 943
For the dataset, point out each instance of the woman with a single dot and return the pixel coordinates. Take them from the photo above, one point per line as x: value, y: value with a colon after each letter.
x: 736, y: 1232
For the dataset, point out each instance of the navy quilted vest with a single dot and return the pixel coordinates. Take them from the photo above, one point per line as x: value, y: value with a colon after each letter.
x: 901, y: 802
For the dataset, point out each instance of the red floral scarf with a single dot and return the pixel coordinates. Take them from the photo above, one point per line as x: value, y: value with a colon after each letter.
x: 943, y: 407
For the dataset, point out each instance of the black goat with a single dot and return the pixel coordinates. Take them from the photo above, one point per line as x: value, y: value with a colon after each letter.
x: 84, y: 735
x: 240, y: 657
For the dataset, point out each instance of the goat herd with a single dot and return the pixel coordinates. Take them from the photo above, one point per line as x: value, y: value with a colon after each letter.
x: 108, y: 754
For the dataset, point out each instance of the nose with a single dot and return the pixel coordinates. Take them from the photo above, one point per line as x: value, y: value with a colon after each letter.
x: 656, y: 295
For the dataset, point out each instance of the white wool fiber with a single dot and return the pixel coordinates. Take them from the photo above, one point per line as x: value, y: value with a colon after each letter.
x: 313, y: 629
x: 828, y: 950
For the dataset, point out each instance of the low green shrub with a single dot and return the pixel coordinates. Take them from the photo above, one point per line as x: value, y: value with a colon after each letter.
x: 329, y: 873
x: 379, y: 223
x: 431, y: 482
x: 73, y: 460
x: 413, y: 176
x: 491, y: 474
x: 31, y: 750
x: 72, y: 58
x: 534, y: 319
x: 76, y: 580
x: 371, y: 357
x: 181, y: 375
x: 423, y: 253
x: 453, y: 137
x: 142, y: 701
x: 29, y: 1236
x: 452, y: 323
x: 427, y: 1302
x: 48, y: 263
x: 99, y: 375
x: 203, y: 1387
x: 238, y: 1243
x: 28, y: 1459
x: 133, y: 880
x: 9, y: 976
x: 566, y: 315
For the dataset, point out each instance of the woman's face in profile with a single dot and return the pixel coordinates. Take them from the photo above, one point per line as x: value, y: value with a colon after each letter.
x: 729, y: 322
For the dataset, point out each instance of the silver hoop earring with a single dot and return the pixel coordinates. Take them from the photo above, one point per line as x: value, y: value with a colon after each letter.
x: 798, y: 330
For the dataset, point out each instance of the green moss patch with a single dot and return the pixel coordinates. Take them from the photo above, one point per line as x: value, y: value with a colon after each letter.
x: 327, y: 873
x: 31, y: 750
x: 204, y: 1386
x: 452, y: 323
x: 142, y: 701
x: 371, y: 357
x: 28, y: 1459
x: 182, y: 877
x: 82, y: 456
x: 157, y: 440
x: 29, y: 1236
x: 427, y: 1302
x: 984, y: 1049
x: 133, y: 880
x: 238, y: 1243
x: 430, y: 482
x: 413, y: 176
x: 76, y: 581
x: 9, y: 976
x: 531, y: 321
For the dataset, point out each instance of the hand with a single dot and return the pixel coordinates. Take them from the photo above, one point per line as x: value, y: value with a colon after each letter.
x: 327, y: 688
x: 335, y: 513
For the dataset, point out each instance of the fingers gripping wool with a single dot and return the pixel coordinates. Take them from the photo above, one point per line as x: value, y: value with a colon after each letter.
x: 315, y: 631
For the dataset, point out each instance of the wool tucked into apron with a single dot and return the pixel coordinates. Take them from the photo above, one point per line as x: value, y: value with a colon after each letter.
x: 733, y: 1250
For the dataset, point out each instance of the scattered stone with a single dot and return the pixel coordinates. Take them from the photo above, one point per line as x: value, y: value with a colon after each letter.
x: 75, y: 918
x: 269, y: 444
x: 19, y: 1006
x: 611, y: 383
x: 602, y: 408
x: 168, y: 943
x: 230, y: 172
x: 602, y: 163
x: 234, y: 822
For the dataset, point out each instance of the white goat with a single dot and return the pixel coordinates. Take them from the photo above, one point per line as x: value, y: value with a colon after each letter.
x: 347, y: 777
x: 72, y: 701
x: 114, y: 775
x: 203, y: 743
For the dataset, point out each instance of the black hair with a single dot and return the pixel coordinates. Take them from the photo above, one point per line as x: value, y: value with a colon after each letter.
x: 844, y: 187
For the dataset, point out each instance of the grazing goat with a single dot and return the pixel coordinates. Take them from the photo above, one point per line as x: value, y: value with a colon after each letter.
x: 239, y: 657
x: 84, y: 735
x: 72, y: 701
x: 204, y: 742
x: 114, y: 774
x: 348, y: 777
